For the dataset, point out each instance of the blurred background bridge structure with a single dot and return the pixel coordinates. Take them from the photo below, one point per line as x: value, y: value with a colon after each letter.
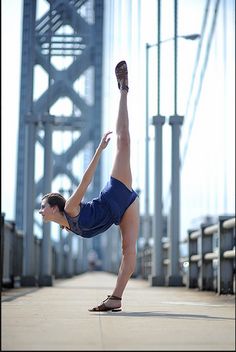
x: 181, y: 95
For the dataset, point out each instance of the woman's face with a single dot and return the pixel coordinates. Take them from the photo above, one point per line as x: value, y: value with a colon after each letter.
x: 46, y: 211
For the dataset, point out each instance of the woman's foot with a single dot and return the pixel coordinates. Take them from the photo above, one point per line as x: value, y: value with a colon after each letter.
x: 121, y: 72
x: 111, y: 303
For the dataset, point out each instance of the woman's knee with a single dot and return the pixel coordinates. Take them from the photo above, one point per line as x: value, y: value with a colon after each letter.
x: 123, y: 140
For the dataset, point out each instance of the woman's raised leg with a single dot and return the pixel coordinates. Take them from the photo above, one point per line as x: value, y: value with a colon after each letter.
x: 121, y: 167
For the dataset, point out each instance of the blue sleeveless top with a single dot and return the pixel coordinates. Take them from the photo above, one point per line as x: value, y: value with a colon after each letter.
x: 97, y: 215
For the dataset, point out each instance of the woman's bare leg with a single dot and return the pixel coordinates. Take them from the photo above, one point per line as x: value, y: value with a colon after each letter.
x: 121, y: 168
x: 129, y: 228
x: 129, y: 225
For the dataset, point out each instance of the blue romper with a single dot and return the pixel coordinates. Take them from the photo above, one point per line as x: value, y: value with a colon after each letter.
x: 100, y: 213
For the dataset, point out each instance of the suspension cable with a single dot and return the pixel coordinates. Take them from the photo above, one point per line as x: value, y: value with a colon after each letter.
x: 202, y: 74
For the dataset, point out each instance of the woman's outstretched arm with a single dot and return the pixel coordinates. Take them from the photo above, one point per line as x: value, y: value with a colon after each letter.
x: 72, y: 204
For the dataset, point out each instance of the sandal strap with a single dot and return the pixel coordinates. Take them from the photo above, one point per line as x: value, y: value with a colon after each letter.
x: 101, y: 308
x: 115, y: 298
x: 112, y: 297
x: 123, y: 87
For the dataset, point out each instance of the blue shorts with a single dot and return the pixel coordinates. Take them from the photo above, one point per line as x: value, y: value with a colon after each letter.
x: 118, y: 198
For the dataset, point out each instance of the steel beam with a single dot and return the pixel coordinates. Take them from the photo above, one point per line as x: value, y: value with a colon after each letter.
x: 38, y: 43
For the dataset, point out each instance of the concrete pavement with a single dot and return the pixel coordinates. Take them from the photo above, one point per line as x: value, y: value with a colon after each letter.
x: 153, y: 318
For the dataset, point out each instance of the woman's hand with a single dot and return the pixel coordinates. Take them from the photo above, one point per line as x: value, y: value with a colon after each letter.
x: 64, y: 228
x: 104, y: 141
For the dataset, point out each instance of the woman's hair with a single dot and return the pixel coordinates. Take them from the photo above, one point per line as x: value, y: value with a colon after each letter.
x: 55, y: 199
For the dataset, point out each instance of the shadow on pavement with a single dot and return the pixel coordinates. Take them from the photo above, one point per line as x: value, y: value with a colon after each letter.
x: 150, y: 314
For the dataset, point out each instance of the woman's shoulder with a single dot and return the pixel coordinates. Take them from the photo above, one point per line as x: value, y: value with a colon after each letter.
x: 73, y: 213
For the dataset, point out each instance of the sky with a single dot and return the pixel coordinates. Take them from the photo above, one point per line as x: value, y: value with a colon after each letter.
x: 210, y: 192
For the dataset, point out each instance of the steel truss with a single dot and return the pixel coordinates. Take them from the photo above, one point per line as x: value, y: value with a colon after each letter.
x: 42, y: 40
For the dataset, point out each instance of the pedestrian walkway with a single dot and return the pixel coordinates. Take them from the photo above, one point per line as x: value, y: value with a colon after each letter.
x: 153, y: 318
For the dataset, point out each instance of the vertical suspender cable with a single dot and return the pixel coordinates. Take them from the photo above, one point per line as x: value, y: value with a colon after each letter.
x: 201, y: 78
x: 158, y: 54
x: 175, y: 56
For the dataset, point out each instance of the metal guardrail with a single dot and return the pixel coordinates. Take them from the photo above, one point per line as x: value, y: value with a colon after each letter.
x: 210, y: 264
x: 63, y: 264
x: 212, y: 268
x: 144, y: 263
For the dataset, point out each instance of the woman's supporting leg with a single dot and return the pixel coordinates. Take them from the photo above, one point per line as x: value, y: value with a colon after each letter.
x: 129, y: 228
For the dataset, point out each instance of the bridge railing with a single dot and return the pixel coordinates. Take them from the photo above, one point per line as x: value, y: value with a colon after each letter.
x: 11, y: 253
x: 209, y: 265
x: 144, y: 262
x: 210, y: 260
x: 12, y: 242
x: 211, y: 257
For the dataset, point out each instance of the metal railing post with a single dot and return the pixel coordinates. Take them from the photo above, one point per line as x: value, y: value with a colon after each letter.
x: 192, y: 278
x: 2, y: 245
x: 206, y: 266
x: 69, y: 258
x: 225, y: 266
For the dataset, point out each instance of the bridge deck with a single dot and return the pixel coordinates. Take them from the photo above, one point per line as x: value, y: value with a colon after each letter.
x: 153, y: 318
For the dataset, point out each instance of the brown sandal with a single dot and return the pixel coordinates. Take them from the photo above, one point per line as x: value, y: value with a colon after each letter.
x: 103, y: 308
x: 121, y: 72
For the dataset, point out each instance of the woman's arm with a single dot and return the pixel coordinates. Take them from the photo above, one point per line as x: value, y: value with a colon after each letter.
x: 72, y: 204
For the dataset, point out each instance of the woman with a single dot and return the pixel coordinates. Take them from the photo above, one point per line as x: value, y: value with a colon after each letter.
x: 116, y: 204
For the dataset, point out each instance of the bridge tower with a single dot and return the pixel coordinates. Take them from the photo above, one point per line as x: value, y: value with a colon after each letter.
x: 71, y: 31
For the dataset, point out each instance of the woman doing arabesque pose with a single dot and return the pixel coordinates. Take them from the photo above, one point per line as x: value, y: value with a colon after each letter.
x: 116, y: 204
